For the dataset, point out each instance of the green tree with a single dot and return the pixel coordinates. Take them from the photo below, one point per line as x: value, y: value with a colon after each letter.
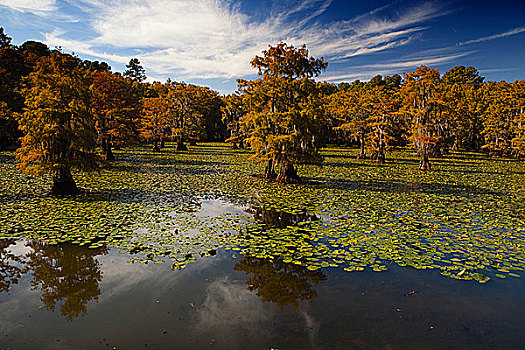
x: 155, y: 116
x: 5, y: 41
x: 58, y: 126
x: 369, y: 113
x: 503, y: 128
x: 188, y: 106
x: 518, y: 121
x: 96, y: 66
x: 383, y: 118
x: 348, y: 110
x: 461, y: 87
x: 284, y: 109
x: 135, y: 71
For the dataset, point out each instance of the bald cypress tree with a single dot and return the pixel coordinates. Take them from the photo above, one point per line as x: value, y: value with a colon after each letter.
x: 284, y: 109
x: 59, y: 129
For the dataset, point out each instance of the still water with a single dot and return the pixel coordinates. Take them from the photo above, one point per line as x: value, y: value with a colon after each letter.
x: 70, y: 297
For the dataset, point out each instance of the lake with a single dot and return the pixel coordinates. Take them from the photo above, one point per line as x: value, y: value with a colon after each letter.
x: 192, y: 250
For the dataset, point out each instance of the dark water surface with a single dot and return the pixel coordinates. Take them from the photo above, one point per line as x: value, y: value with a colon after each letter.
x: 71, y: 297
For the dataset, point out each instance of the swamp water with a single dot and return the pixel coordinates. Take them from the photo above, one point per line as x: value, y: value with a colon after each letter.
x: 191, y: 251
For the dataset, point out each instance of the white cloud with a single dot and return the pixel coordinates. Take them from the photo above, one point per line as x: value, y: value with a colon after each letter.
x: 495, y: 36
x: 192, y: 39
x: 229, y: 307
x: 56, y: 39
x: 366, y: 72
x: 417, y: 62
x: 35, y: 6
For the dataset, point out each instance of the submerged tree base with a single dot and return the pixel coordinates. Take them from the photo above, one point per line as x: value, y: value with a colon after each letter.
x: 63, y: 184
x: 181, y: 146
x: 107, y: 151
x: 269, y: 173
x: 380, y: 158
x: 424, y: 164
x: 109, y: 156
x: 288, y: 174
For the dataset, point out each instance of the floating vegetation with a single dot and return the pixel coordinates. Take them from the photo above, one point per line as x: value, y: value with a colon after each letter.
x: 466, y: 218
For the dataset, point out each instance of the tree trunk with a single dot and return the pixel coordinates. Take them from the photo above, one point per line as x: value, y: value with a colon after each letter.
x: 362, y: 155
x: 287, y: 174
x: 181, y: 146
x: 455, y: 146
x: 110, y: 157
x: 162, y: 143
x: 156, y: 147
x: 193, y: 143
x: 63, y: 183
x: 436, y: 152
x: 424, y: 164
x: 241, y: 145
x: 380, y: 159
x: 269, y: 173
x: 234, y: 146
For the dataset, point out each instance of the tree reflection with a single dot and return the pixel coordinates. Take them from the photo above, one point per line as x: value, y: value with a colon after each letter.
x: 67, y: 273
x: 279, y: 282
x: 11, y: 265
x: 278, y: 219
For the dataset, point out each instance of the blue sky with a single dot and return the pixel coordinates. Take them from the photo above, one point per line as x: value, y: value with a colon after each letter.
x: 210, y: 42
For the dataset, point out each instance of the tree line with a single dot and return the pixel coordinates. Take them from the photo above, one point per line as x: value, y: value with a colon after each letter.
x: 286, y: 116
x: 64, y: 113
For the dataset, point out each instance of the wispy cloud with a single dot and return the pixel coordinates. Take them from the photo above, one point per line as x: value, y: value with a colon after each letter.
x: 214, y: 39
x: 56, y: 39
x: 417, y: 62
x: 34, y: 6
x: 495, y: 36
x: 497, y: 70
x: 367, y: 71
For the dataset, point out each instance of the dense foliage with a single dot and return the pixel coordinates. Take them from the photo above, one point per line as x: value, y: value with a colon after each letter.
x: 284, y: 109
x: 59, y: 132
x: 58, y: 110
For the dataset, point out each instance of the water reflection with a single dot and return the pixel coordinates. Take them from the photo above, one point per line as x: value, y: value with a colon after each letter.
x: 274, y: 218
x: 65, y: 273
x: 11, y: 265
x: 279, y: 282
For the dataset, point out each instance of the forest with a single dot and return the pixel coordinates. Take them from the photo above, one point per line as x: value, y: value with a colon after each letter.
x: 62, y: 113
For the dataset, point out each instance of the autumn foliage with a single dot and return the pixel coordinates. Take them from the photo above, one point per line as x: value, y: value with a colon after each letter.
x: 58, y: 126
x: 284, y: 109
x: 64, y: 113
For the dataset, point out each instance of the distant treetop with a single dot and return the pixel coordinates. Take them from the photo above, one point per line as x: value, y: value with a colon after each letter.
x: 135, y: 71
